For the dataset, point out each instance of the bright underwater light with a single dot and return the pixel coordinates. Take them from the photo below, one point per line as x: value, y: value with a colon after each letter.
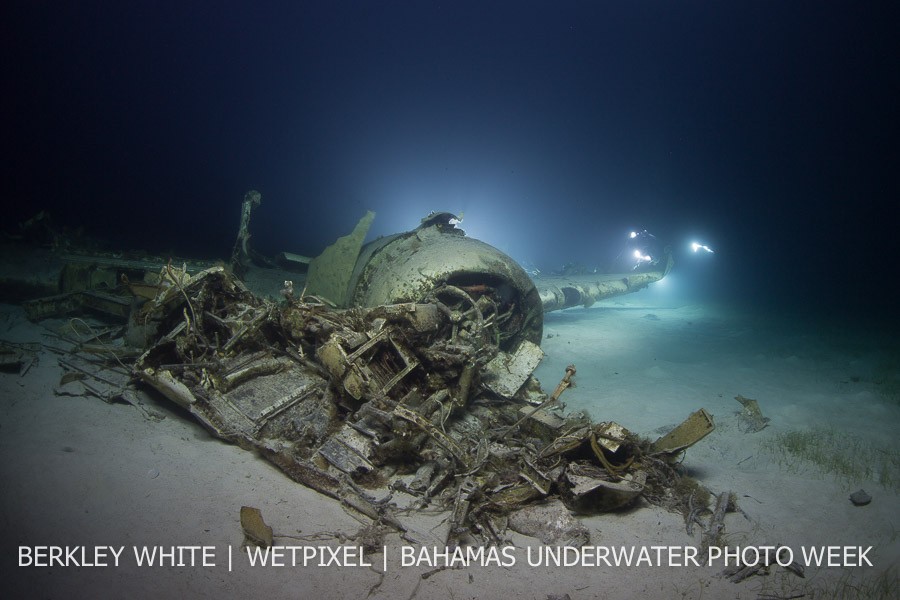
x: 698, y: 246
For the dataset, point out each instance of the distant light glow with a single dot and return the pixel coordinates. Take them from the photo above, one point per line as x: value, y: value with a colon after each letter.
x: 633, y: 234
x: 642, y: 257
x: 698, y: 246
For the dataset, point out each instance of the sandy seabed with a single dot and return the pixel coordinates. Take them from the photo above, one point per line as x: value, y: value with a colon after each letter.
x: 79, y: 473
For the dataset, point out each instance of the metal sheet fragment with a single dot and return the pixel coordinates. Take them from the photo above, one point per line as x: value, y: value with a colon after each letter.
x: 506, y: 372
x: 693, y: 429
x: 428, y: 391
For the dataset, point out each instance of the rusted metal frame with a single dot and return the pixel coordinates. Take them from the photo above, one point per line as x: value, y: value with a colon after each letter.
x: 254, y: 323
x: 276, y: 409
x: 374, y: 340
x: 411, y: 363
x: 442, y: 439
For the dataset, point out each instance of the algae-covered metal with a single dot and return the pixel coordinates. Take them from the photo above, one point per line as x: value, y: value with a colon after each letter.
x: 396, y: 395
x: 437, y: 263
x: 408, y: 364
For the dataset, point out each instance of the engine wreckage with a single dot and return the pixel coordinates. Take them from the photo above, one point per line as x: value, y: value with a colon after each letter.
x: 403, y: 365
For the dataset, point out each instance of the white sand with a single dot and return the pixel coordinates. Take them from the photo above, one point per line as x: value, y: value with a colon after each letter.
x: 76, y: 471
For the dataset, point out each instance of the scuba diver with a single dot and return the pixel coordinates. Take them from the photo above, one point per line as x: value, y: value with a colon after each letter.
x: 640, y: 250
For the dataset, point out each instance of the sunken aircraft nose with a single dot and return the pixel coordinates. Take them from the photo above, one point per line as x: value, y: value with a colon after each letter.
x: 477, y: 284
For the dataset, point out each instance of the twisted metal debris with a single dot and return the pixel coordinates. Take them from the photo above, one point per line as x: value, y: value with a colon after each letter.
x: 404, y: 396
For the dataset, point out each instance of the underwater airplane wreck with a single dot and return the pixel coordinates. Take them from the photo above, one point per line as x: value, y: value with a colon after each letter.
x: 403, y: 364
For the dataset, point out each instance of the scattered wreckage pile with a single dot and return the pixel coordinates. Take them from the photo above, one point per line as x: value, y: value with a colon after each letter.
x: 426, y: 398
x: 420, y: 383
